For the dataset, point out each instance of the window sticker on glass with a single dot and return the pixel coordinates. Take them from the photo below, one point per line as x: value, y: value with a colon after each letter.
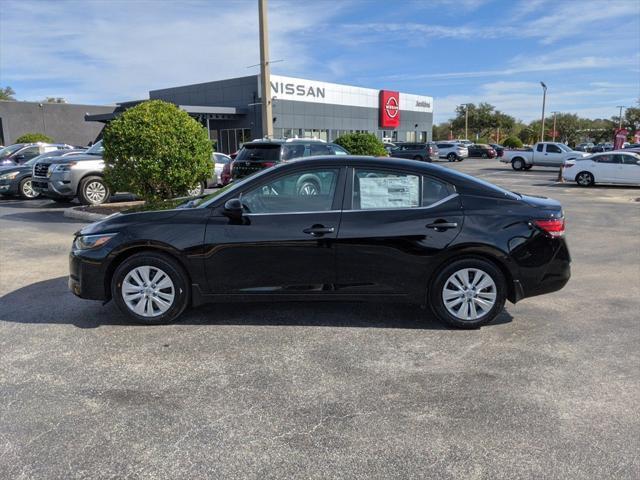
x: 389, y: 192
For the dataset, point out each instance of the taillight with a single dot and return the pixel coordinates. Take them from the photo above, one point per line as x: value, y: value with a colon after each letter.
x: 568, y: 165
x: 553, y: 227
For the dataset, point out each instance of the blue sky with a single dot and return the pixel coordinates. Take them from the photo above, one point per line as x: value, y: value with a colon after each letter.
x: 458, y: 51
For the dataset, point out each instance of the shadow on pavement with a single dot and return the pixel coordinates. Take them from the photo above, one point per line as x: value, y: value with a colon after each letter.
x: 50, y: 302
x: 51, y: 216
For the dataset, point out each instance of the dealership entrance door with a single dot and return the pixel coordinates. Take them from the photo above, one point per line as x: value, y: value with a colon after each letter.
x: 231, y: 139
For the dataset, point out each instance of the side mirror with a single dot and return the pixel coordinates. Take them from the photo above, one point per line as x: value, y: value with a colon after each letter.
x: 233, y: 208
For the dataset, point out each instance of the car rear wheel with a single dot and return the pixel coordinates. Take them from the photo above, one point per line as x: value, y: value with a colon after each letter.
x: 26, y: 189
x: 93, y: 191
x: 452, y: 157
x: 150, y: 288
x: 196, y: 191
x: 585, y: 179
x: 468, y: 293
x: 517, y: 164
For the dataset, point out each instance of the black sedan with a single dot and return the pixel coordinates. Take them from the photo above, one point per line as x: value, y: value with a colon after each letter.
x: 375, y: 229
x: 15, y: 180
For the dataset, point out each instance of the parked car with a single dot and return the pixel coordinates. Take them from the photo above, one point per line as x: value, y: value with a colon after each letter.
x: 389, y: 146
x: 585, y: 147
x: 422, y: 151
x: 462, y: 141
x: 452, y: 151
x: 16, y: 180
x: 65, y: 178
x: 619, y: 167
x: 498, y: 148
x: 221, y: 160
x: 602, y: 147
x: 20, y: 153
x: 632, y: 145
x: 225, y: 176
x: 543, y: 154
x: 260, y: 154
x: 378, y: 229
x: 482, y: 151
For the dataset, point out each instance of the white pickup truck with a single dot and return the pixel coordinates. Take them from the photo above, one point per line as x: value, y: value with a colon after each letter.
x: 543, y: 154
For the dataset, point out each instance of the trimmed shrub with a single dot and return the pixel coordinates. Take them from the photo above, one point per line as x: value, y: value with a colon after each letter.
x: 156, y: 151
x: 362, y: 144
x: 513, y: 142
x: 33, y: 138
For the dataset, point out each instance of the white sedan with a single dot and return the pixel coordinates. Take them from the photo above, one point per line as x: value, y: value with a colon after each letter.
x: 606, y: 167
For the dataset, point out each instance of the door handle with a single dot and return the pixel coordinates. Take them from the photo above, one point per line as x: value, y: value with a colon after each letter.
x: 441, y: 225
x: 318, y: 230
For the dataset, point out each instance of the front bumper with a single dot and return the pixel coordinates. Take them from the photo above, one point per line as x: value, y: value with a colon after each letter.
x: 8, y: 187
x: 87, y: 277
x: 56, y: 186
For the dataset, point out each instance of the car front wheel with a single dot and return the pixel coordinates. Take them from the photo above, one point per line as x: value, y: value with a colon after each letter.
x: 93, y: 191
x: 585, y: 179
x: 468, y: 293
x: 150, y: 288
x: 452, y: 157
x: 26, y: 189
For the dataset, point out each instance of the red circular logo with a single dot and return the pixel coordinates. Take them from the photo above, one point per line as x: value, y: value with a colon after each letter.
x: 391, y: 107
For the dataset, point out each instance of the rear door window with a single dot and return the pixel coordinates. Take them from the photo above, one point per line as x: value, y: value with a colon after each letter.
x: 380, y: 189
x: 319, y: 149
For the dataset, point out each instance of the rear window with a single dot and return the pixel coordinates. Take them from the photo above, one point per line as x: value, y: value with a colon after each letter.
x: 260, y: 152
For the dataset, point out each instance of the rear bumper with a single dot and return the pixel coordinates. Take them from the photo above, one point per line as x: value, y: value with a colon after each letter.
x: 551, y: 275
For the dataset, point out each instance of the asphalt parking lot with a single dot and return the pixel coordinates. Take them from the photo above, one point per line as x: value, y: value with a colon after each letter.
x: 549, y: 390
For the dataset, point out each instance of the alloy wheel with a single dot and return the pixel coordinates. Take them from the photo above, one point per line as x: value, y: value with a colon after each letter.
x: 148, y: 291
x: 308, y: 188
x: 96, y: 192
x: 28, y: 191
x: 195, y: 191
x: 469, y: 294
x: 584, y: 179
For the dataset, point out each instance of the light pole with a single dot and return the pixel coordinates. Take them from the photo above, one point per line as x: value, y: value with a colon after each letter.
x: 620, y: 117
x: 554, y: 125
x: 265, y: 71
x: 466, y: 120
x: 544, y: 101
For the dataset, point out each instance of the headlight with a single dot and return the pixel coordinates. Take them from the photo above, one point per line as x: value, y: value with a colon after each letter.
x: 87, y: 242
x: 9, y: 176
x: 64, y: 167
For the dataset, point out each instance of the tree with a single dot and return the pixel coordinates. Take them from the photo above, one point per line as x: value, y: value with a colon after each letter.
x: 483, y: 120
x: 512, y: 142
x: 568, y: 128
x: 362, y: 144
x: 7, y: 93
x: 156, y: 151
x: 33, y: 138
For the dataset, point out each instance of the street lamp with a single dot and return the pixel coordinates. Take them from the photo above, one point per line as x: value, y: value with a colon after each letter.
x: 466, y: 120
x: 544, y: 101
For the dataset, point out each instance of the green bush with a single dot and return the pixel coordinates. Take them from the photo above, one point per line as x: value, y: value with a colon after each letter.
x: 362, y: 144
x: 33, y: 138
x: 512, y: 142
x: 156, y: 151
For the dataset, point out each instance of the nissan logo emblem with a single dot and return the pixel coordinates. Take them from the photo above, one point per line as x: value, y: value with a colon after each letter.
x: 391, y: 107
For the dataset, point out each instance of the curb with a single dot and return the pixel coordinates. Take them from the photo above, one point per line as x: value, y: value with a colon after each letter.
x: 77, y: 214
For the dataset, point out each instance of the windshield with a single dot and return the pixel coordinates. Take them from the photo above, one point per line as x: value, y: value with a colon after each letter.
x: 260, y: 152
x: 564, y: 148
x: 6, y: 151
x: 96, y: 149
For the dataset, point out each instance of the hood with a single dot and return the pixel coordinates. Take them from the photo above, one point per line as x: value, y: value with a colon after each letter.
x: 118, y: 221
x: 14, y: 168
x: 72, y: 158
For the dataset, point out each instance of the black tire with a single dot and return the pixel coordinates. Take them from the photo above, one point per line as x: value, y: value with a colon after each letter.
x: 442, y: 280
x: 181, y: 286
x: 518, y: 164
x: 419, y: 158
x: 452, y: 157
x: 585, y: 179
x: 25, y: 190
x: 89, y: 188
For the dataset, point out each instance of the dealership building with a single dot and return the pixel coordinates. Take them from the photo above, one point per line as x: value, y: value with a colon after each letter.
x: 231, y: 110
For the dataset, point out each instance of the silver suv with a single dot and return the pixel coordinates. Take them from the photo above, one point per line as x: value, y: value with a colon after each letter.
x: 62, y: 179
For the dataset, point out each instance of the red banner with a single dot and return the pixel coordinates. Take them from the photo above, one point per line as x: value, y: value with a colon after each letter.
x: 636, y: 137
x: 621, y: 137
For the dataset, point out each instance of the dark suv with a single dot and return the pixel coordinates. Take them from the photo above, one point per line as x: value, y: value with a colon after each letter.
x: 424, y: 151
x: 260, y: 154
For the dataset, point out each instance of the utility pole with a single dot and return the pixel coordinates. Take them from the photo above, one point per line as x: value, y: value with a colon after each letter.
x: 265, y: 73
x: 466, y: 121
x: 620, y: 117
x: 554, y: 125
x: 544, y: 101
